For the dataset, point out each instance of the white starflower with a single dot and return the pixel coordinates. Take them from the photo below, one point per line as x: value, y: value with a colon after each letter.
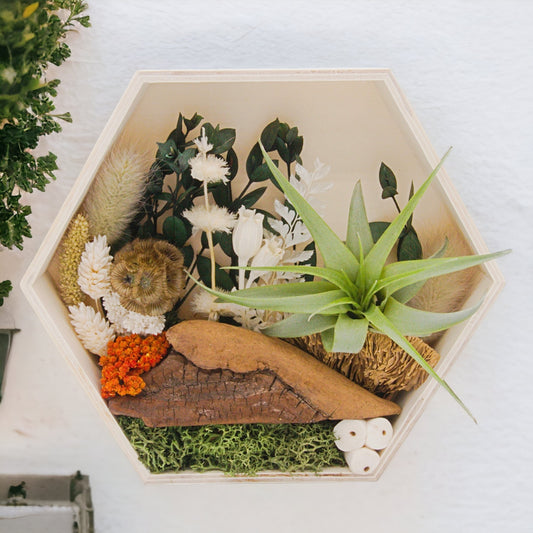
x: 91, y: 327
x: 93, y: 270
x: 270, y: 254
x: 208, y: 168
x: 202, y: 143
x: 210, y: 220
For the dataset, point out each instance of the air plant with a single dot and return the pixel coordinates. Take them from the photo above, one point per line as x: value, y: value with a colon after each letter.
x: 357, y: 290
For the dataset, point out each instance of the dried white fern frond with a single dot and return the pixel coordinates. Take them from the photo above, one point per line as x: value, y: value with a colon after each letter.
x: 115, y: 195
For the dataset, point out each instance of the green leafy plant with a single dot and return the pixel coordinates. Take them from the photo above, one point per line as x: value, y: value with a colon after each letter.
x: 357, y: 289
x: 409, y: 246
x: 31, y: 37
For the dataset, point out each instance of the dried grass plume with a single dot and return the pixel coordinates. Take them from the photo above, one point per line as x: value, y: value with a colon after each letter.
x: 69, y: 259
x: 115, y: 195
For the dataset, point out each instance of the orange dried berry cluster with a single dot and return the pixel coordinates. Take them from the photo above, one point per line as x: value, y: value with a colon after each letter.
x: 127, y: 358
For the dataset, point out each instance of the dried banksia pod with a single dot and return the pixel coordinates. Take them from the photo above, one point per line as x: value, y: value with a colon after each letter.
x: 381, y: 367
x: 148, y: 276
x: 116, y: 193
x: 69, y: 259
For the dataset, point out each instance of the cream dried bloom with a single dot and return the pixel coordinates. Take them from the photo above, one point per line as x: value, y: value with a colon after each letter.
x: 210, y: 219
x: 69, y: 259
x: 93, y: 271
x: 126, y: 321
x: 92, y: 329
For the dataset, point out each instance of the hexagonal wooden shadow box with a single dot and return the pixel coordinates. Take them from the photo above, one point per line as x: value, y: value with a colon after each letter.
x: 351, y: 119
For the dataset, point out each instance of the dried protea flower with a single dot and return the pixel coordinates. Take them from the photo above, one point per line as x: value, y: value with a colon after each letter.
x: 148, y: 276
x: 381, y: 367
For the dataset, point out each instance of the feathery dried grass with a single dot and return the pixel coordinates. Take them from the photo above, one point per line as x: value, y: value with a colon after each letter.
x: 445, y: 294
x: 115, y: 195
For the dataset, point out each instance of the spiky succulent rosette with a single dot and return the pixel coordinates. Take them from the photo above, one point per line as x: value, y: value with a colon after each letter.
x: 148, y: 276
x: 358, y: 290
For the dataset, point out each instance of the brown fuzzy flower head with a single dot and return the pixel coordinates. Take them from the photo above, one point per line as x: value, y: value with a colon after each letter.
x: 148, y: 276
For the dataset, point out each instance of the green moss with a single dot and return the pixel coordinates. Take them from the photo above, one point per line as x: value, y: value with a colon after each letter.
x: 234, y: 449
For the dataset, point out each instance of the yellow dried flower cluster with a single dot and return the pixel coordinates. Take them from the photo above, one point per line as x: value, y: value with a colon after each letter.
x: 71, y: 249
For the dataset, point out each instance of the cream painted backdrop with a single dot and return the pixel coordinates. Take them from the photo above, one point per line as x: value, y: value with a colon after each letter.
x: 467, y: 70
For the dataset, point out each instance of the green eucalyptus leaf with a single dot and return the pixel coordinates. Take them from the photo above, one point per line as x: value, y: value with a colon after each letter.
x: 387, y: 180
x: 377, y: 229
x: 193, y: 122
x: 184, y: 158
x: 224, y: 140
x: 388, y: 192
x: 297, y: 147
x: 262, y: 172
x: 377, y: 257
x: 336, y: 255
x: 381, y: 323
x: 409, y: 247
x: 222, y: 194
x: 175, y: 231
x: 282, y: 150
x: 222, y: 278
x: 349, y: 334
x: 248, y: 200
x: 269, y: 134
x: 233, y: 163
x: 226, y: 243
x: 254, y: 160
x: 358, y: 227
x: 299, y: 325
x: 419, y: 323
x: 188, y: 255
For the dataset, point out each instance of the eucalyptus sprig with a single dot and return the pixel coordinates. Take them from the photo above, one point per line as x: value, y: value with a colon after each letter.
x: 356, y: 289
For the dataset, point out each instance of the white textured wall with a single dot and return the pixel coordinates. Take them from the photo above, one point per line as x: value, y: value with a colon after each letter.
x: 466, y: 68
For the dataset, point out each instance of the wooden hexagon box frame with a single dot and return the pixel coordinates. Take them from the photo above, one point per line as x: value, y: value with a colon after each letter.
x: 351, y: 119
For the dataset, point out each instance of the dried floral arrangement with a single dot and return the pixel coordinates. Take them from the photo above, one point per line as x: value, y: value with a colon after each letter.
x: 156, y: 246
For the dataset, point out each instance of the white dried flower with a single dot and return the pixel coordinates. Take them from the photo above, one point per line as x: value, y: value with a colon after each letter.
x: 143, y: 324
x: 93, y: 271
x: 204, y: 304
x: 202, y: 143
x: 126, y: 321
x: 92, y: 329
x: 307, y: 183
x: 247, y: 238
x: 115, y: 311
x: 208, y: 168
x: 270, y: 254
x: 210, y: 220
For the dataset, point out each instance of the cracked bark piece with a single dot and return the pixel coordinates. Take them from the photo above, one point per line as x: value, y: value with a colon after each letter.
x: 222, y: 374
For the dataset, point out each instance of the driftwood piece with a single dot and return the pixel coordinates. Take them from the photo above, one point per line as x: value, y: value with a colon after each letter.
x: 221, y: 374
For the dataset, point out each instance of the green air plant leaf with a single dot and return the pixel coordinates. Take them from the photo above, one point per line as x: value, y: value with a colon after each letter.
x: 358, y: 226
x: 300, y: 325
x: 375, y: 261
x: 382, y: 324
x: 331, y: 247
x: 357, y: 291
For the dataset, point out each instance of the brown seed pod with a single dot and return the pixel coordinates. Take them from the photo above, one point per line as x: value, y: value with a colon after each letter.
x: 148, y: 276
x: 381, y: 367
